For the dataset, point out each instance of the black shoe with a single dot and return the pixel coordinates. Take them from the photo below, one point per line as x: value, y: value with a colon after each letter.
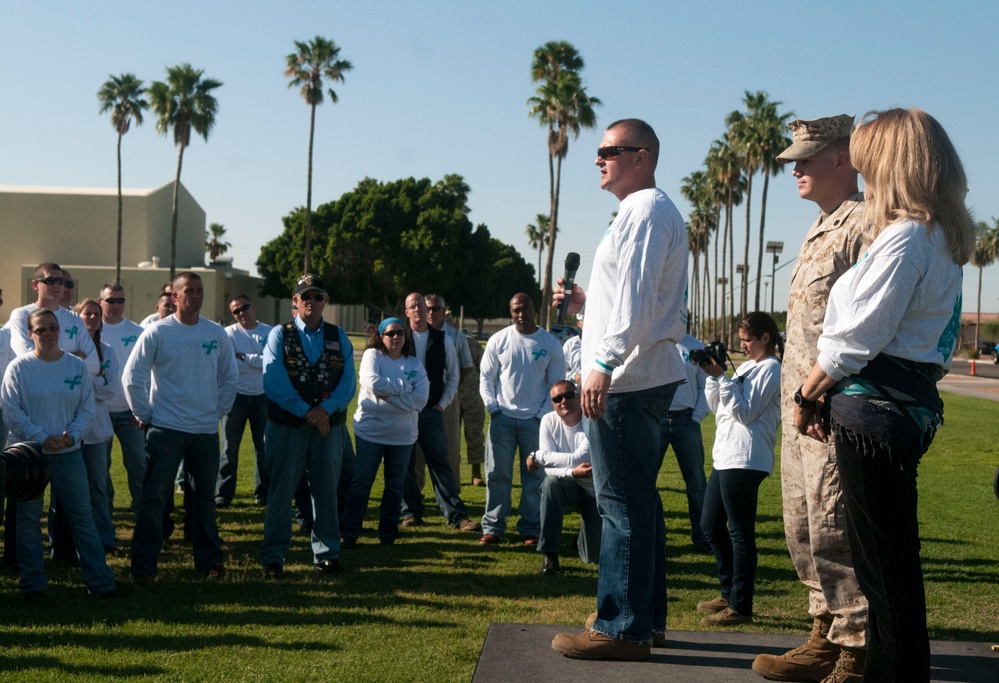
x: 273, y: 571
x: 348, y: 543
x: 31, y: 597
x: 549, y: 565
x: 221, y: 503
x: 331, y: 567
x: 109, y: 595
x: 386, y: 541
x: 305, y: 527
x: 414, y: 520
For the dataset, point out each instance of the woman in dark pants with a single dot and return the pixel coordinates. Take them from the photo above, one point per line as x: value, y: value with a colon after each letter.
x: 889, y: 335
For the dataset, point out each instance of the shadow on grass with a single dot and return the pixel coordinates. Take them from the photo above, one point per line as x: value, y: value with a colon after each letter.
x: 39, y: 664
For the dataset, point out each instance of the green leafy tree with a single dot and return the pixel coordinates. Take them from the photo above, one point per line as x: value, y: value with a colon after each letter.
x: 563, y: 106
x: 985, y: 254
x: 215, y: 243
x: 312, y: 67
x: 122, y: 96
x: 183, y: 104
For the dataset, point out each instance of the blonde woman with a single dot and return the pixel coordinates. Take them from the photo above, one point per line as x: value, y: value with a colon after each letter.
x: 889, y: 336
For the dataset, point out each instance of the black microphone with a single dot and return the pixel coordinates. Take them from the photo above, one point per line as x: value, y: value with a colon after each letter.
x: 571, y: 266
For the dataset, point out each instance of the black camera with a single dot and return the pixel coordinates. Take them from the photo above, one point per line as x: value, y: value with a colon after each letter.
x: 712, y: 351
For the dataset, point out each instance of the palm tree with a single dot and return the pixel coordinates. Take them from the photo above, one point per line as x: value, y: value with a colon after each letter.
x: 214, y: 245
x: 564, y: 107
x: 725, y: 165
x: 184, y: 103
x: 122, y: 96
x: 312, y: 67
x: 537, y: 236
x: 985, y: 254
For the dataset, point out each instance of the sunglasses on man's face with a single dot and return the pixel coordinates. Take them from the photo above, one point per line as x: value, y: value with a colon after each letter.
x: 564, y: 396
x: 394, y: 333
x: 611, y: 152
x: 68, y: 284
x: 244, y: 308
x: 114, y: 300
x: 50, y: 281
x: 311, y: 297
x: 435, y: 309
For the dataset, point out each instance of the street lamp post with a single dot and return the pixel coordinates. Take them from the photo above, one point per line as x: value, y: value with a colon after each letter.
x: 743, y: 270
x: 774, y: 248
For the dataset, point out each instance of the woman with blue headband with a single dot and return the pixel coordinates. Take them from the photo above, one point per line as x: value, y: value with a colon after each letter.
x: 393, y: 389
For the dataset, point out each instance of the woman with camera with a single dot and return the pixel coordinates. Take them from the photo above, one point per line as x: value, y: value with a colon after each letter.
x: 48, y: 396
x: 889, y: 335
x: 393, y: 390
x: 747, y: 410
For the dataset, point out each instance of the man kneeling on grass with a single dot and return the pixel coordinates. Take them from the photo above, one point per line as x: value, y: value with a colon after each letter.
x: 564, y: 455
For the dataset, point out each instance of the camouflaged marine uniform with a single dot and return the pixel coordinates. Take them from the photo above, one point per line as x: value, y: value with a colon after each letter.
x: 473, y: 414
x: 814, y: 516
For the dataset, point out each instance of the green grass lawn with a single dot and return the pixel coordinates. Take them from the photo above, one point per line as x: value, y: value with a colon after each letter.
x: 419, y: 610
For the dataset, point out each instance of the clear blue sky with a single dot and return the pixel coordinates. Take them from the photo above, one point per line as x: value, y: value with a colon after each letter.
x: 440, y: 87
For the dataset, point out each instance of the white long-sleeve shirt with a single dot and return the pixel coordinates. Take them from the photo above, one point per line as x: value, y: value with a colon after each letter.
x: 402, y: 384
x: 122, y: 337
x: 747, y: 409
x: 562, y: 448
x: 691, y: 393
x: 452, y: 373
x: 902, y: 298
x: 45, y: 398
x: 572, y: 349
x: 73, y: 335
x: 251, y: 367
x: 182, y: 377
x: 517, y: 370
x: 106, y: 384
x: 636, y: 295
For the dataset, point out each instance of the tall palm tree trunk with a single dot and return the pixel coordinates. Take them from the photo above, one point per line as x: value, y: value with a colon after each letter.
x: 715, y: 319
x: 731, y: 274
x: 745, y: 249
x: 759, y: 256
x: 117, y: 268
x: 978, y: 318
x: 546, y: 293
x: 173, y: 224
x: 307, y: 261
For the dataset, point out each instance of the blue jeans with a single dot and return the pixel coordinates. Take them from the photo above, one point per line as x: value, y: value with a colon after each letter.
x: 557, y: 495
x: 166, y: 448
x: 97, y: 460
x: 133, y: 456
x: 433, y: 442
x: 69, y: 484
x: 252, y: 409
x: 506, y: 435
x: 729, y: 523
x: 291, y: 452
x: 369, y: 457
x: 626, y: 457
x: 677, y: 429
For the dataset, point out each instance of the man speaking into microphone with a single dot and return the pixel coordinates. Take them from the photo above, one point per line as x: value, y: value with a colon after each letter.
x: 630, y: 370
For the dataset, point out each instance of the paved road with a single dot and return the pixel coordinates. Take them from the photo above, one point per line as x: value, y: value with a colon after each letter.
x: 983, y: 368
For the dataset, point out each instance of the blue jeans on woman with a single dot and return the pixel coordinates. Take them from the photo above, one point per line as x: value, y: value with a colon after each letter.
x: 625, y: 454
x: 369, y: 456
x: 729, y: 523
x: 69, y: 484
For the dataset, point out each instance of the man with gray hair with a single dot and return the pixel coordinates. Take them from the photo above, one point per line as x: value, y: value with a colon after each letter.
x: 814, y: 515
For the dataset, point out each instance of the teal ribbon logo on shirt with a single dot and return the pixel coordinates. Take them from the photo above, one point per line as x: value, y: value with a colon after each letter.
x: 538, y: 355
x: 410, y: 375
x: 73, y: 382
x: 125, y: 341
x: 210, y: 346
x: 71, y: 331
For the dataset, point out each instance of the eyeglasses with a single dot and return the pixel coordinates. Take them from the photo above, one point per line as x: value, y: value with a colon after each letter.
x: 394, y: 333
x: 435, y: 309
x: 114, y: 300
x: 611, y: 152
x: 68, y: 284
x: 41, y: 330
x: 50, y: 280
x: 311, y: 297
x: 565, y: 396
x: 245, y: 307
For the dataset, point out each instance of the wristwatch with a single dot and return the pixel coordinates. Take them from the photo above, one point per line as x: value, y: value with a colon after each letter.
x: 801, y: 401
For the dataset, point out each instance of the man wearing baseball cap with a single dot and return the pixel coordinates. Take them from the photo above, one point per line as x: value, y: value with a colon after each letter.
x: 309, y: 380
x: 814, y: 517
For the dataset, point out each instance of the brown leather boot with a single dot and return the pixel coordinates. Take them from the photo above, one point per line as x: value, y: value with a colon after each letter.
x: 813, y: 661
x: 849, y: 667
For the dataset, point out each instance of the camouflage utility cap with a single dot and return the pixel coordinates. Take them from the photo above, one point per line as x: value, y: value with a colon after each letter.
x: 811, y: 137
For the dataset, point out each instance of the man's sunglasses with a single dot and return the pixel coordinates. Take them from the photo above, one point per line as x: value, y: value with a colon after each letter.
x: 311, y: 297
x: 114, y: 300
x: 245, y: 307
x: 394, y: 333
x: 50, y: 280
x: 435, y: 309
x: 611, y: 152
x: 564, y: 396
